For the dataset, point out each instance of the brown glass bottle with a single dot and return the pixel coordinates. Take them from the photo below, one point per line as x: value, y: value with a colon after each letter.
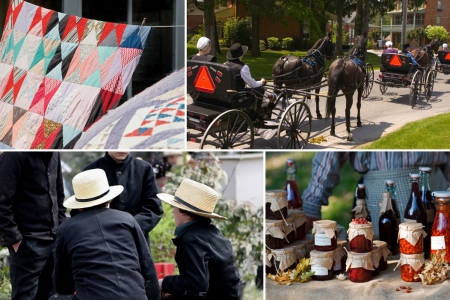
x: 361, y: 194
x: 427, y: 200
x: 390, y: 187
x: 387, y: 224
x: 292, y: 192
x: 415, y: 211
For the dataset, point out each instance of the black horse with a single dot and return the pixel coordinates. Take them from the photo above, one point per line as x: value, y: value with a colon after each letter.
x: 292, y: 70
x: 347, y: 74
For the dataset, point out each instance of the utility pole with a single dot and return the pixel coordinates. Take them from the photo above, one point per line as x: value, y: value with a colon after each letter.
x: 404, y: 20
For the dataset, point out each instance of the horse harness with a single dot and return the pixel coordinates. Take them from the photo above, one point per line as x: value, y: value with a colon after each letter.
x: 356, y: 58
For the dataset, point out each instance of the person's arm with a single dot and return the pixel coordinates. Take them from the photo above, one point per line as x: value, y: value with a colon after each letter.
x: 195, y: 259
x: 412, y: 59
x: 11, y: 167
x: 324, y: 177
x: 62, y: 272
x: 247, y: 77
x: 60, y: 192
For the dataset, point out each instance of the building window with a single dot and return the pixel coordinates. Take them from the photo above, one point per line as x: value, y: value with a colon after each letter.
x: 420, y: 19
x: 106, y: 10
x: 439, y: 5
x: 397, y: 20
x: 438, y: 20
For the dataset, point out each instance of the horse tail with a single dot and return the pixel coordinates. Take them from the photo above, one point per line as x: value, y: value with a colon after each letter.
x: 335, y: 76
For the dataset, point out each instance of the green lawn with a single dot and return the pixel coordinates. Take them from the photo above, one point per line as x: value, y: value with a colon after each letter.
x: 429, y: 133
x: 261, y: 67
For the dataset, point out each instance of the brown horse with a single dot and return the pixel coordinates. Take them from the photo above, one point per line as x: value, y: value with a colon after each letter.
x: 425, y: 55
x: 347, y: 74
x: 294, y: 71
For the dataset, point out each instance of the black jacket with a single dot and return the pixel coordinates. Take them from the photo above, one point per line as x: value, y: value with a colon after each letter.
x: 101, y: 253
x: 140, y: 189
x: 206, y: 262
x: 31, y: 196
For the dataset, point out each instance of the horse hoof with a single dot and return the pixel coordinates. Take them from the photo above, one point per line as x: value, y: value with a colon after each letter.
x: 319, y: 116
x: 349, y: 138
x: 359, y: 124
x: 332, y: 132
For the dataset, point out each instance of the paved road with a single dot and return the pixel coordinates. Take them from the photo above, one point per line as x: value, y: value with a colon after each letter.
x: 380, y: 114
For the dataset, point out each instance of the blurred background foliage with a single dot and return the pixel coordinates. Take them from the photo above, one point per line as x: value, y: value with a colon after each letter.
x: 340, y: 203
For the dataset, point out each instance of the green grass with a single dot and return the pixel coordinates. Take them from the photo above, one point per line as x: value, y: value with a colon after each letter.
x: 252, y: 293
x: 261, y: 67
x: 429, y: 133
x: 340, y: 203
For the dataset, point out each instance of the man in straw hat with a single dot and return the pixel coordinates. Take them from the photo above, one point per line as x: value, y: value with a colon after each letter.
x: 204, y: 257
x: 101, y: 253
x: 405, y: 50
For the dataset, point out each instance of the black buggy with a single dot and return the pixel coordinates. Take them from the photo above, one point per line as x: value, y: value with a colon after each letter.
x: 444, y: 62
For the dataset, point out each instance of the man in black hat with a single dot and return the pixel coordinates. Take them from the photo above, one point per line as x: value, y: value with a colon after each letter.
x: 241, y: 71
x: 405, y: 50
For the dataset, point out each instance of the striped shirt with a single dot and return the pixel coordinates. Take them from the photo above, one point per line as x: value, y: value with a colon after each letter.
x: 327, y: 165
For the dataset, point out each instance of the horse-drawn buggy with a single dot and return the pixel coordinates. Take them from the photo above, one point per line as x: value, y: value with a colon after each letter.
x: 444, y: 62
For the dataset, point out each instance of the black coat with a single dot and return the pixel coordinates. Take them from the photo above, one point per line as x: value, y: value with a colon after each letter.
x: 101, y: 253
x: 206, y: 262
x: 140, y: 189
x: 31, y: 196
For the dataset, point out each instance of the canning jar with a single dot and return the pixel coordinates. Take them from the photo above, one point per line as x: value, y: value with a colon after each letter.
x: 322, y: 264
x: 270, y: 269
x: 384, y: 251
x: 276, y: 205
x: 299, y: 249
x: 359, y: 266
x: 339, y: 258
x: 376, y: 255
x: 325, y: 235
x: 299, y: 223
x: 283, y: 259
x: 440, y: 232
x: 275, y: 235
x: 411, y: 265
x: 360, y: 237
x: 289, y: 230
x: 410, y: 238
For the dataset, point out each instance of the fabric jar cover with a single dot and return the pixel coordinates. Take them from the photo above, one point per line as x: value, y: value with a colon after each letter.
x: 343, y: 244
x: 288, y: 225
x: 268, y: 256
x: 285, y: 256
x: 299, y: 249
x: 376, y: 255
x: 277, y: 199
x: 360, y: 229
x: 322, y: 258
x: 338, y: 253
x: 360, y: 209
x: 275, y: 228
x: 359, y: 260
x: 412, y: 232
x: 299, y: 217
x: 384, y: 250
x: 416, y: 261
x: 325, y: 226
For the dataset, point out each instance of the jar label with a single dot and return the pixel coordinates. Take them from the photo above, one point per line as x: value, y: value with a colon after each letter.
x: 321, y: 239
x: 430, y: 215
x: 437, y: 242
x: 410, y: 221
x: 319, y: 270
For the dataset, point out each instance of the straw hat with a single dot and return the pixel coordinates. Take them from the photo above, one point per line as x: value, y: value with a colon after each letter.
x: 91, y: 188
x: 236, y: 50
x: 194, y: 197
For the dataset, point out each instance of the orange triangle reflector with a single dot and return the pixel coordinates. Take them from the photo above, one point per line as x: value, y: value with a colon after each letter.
x: 395, y: 61
x: 203, y: 82
x: 447, y: 57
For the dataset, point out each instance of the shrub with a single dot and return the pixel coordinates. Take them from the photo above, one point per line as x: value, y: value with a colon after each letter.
x: 5, y: 285
x: 194, y: 39
x: 189, y: 37
x: 262, y: 45
x: 273, y: 43
x: 369, y: 45
x: 287, y: 43
x: 237, y: 30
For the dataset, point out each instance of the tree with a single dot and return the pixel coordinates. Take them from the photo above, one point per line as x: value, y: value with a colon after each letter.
x: 436, y: 32
x: 209, y: 19
x: 334, y: 36
x: 374, y: 34
x: 416, y: 35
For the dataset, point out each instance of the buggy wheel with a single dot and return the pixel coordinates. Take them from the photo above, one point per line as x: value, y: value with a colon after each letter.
x: 229, y: 130
x: 414, y: 88
x: 429, y: 85
x: 368, y: 81
x: 383, y: 87
x: 296, y: 125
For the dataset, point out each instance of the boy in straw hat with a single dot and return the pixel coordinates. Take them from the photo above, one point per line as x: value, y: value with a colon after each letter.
x: 101, y: 253
x: 204, y: 257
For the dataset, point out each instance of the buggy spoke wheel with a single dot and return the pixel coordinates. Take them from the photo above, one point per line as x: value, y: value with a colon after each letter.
x: 368, y: 81
x: 383, y: 87
x: 230, y: 129
x: 296, y: 126
x: 429, y: 85
x: 414, y: 88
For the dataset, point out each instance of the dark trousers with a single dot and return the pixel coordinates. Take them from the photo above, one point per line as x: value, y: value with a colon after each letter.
x: 31, y: 270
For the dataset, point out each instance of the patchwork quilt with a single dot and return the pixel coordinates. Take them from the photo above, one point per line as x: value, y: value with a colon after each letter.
x: 60, y: 73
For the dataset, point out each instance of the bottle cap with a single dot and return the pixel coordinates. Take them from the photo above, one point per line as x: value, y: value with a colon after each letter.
x: 290, y: 167
x: 414, y: 176
x: 425, y: 169
x: 390, y: 182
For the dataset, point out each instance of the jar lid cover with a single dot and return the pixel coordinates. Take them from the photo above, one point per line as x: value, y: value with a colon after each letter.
x: 390, y: 181
x: 380, y: 244
x: 439, y: 194
x: 276, y: 193
x: 410, y: 226
x: 296, y: 212
x: 277, y: 199
x: 322, y: 254
x: 325, y: 223
x: 274, y: 223
x: 343, y: 243
x: 285, y: 250
x: 356, y: 255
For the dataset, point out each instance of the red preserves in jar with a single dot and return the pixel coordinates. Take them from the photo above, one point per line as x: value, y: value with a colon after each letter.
x: 440, y: 232
x: 276, y: 205
x: 325, y: 235
x: 322, y: 264
x: 384, y: 251
x: 283, y: 259
x: 359, y: 266
x: 360, y: 237
x: 376, y: 255
x: 289, y: 230
x: 275, y: 235
x: 299, y: 223
x: 410, y: 238
x: 411, y: 266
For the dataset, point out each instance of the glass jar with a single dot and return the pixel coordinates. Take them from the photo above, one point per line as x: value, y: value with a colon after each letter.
x: 322, y: 264
x: 410, y: 238
x: 338, y: 257
x: 276, y: 205
x: 440, y: 232
x: 360, y: 237
x: 299, y: 223
x: 284, y: 259
x: 275, y: 236
x: 270, y: 269
x: 359, y: 266
x: 385, y: 252
x: 289, y: 230
x: 411, y: 265
x: 325, y: 235
x: 376, y: 256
